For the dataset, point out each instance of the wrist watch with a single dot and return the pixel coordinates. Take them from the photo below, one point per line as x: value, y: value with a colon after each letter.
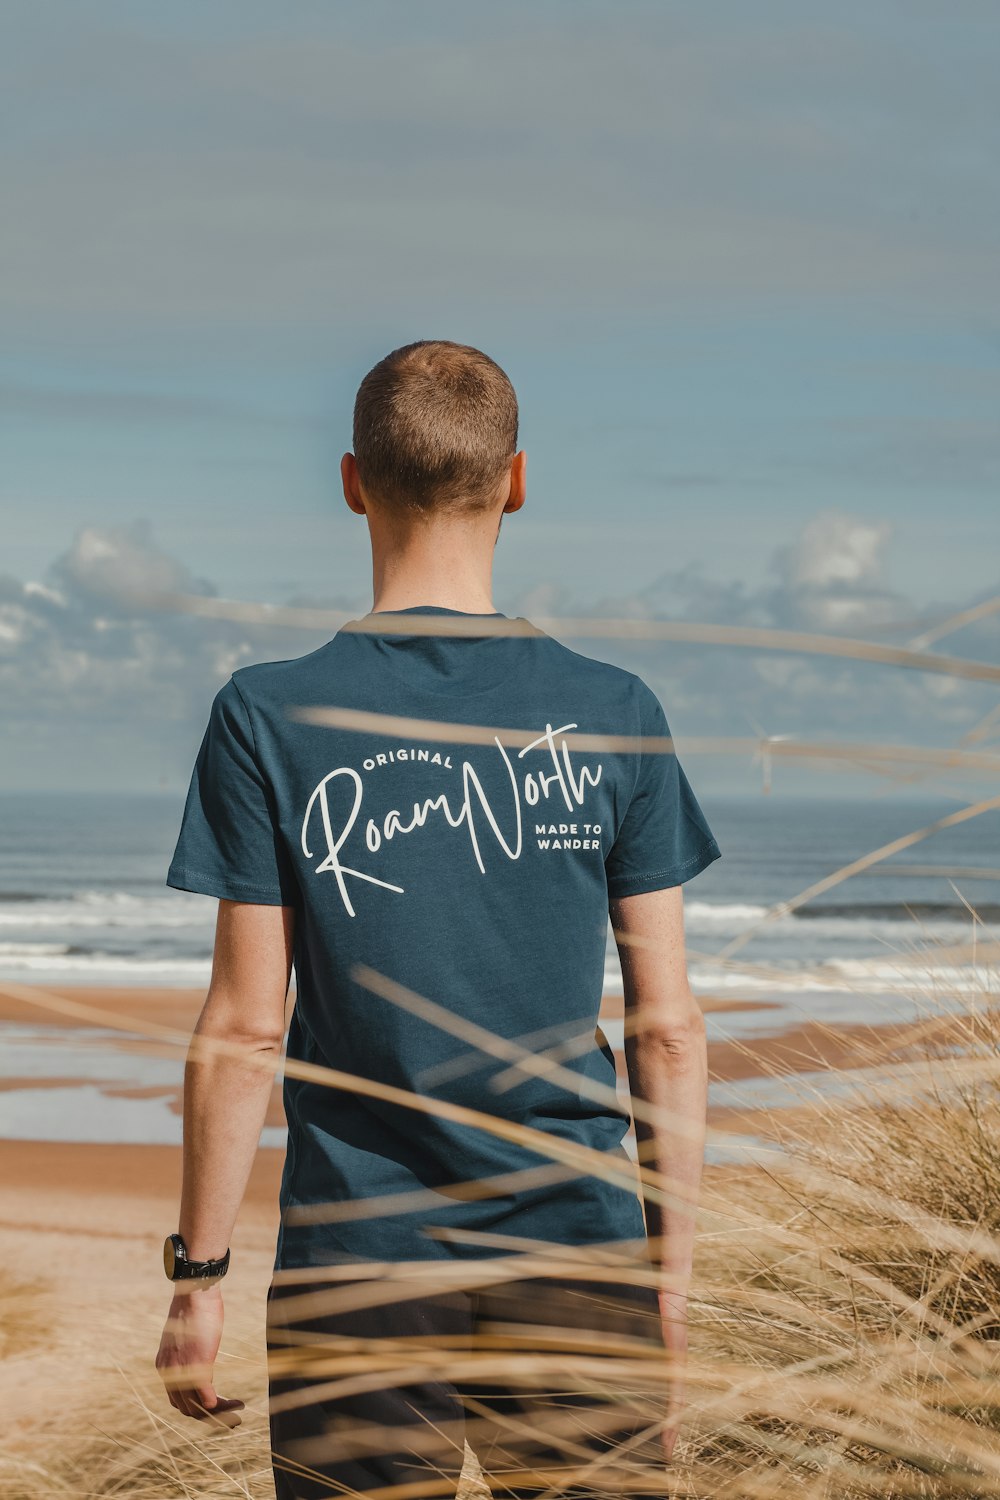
x: 179, y: 1267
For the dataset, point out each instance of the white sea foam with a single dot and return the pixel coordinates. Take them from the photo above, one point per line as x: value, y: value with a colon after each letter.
x: 29, y: 950
x: 52, y: 958
x: 724, y: 921
x: 95, y: 909
x: 722, y: 914
x: 873, y: 977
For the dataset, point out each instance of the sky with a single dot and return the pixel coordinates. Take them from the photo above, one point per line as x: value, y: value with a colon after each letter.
x: 740, y: 262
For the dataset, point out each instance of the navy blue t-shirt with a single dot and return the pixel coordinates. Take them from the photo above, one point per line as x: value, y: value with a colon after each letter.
x: 450, y: 875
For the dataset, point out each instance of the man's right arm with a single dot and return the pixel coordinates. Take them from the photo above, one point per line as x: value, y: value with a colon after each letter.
x: 666, y: 1054
x: 667, y: 1059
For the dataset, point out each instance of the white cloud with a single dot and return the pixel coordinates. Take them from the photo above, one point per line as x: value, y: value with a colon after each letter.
x: 86, y: 661
x: 837, y: 548
x: 88, y: 645
x: 122, y: 567
x: 831, y: 575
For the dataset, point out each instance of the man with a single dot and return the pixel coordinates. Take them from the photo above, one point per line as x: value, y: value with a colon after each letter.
x: 433, y: 815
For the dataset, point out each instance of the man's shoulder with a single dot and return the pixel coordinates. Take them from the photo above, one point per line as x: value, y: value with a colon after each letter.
x: 605, y: 679
x: 262, y: 682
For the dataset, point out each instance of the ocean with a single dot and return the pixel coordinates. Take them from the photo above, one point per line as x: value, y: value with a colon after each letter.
x: 83, y: 901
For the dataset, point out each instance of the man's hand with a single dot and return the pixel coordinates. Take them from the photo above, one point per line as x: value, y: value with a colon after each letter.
x: 673, y: 1315
x: 187, y: 1353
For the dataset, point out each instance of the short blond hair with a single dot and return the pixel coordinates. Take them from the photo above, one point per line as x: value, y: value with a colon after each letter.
x: 435, y: 427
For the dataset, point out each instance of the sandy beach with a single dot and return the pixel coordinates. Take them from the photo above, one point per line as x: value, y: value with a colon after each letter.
x: 82, y: 1295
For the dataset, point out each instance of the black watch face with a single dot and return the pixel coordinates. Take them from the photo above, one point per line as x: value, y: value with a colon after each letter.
x: 169, y: 1256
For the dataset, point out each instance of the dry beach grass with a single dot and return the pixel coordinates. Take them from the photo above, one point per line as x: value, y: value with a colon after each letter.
x: 845, y: 1310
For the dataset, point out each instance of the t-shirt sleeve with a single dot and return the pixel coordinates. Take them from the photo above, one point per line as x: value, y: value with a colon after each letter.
x: 229, y: 843
x: 664, y: 837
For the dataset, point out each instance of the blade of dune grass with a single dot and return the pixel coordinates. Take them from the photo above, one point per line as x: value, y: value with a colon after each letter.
x: 955, y: 622
x: 865, y: 861
x: 594, y: 627
x: 864, y: 756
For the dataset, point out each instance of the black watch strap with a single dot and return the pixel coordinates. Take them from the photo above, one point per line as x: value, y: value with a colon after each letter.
x: 179, y: 1266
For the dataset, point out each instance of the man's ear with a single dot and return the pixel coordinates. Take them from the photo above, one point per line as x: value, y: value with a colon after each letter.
x: 351, y: 483
x: 517, y: 487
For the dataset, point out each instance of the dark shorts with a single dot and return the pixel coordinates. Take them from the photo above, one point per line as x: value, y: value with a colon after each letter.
x: 556, y: 1385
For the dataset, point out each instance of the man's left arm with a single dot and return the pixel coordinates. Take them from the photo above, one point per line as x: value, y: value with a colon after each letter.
x: 225, y: 1104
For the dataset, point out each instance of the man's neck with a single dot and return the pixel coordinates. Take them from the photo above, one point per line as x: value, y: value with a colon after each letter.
x: 405, y: 583
x: 465, y: 605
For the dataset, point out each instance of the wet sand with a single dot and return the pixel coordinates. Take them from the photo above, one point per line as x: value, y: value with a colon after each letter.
x: 806, y: 1047
x: 179, y: 1008
x: 135, y: 1009
x: 40, y: 1179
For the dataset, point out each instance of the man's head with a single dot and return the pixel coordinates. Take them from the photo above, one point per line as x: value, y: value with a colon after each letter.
x: 435, y: 434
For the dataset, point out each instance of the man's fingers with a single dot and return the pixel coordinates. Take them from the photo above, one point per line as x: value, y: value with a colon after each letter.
x: 179, y: 1400
x: 209, y: 1400
x: 205, y: 1406
x: 225, y: 1416
x: 177, y: 1391
x: 226, y: 1413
